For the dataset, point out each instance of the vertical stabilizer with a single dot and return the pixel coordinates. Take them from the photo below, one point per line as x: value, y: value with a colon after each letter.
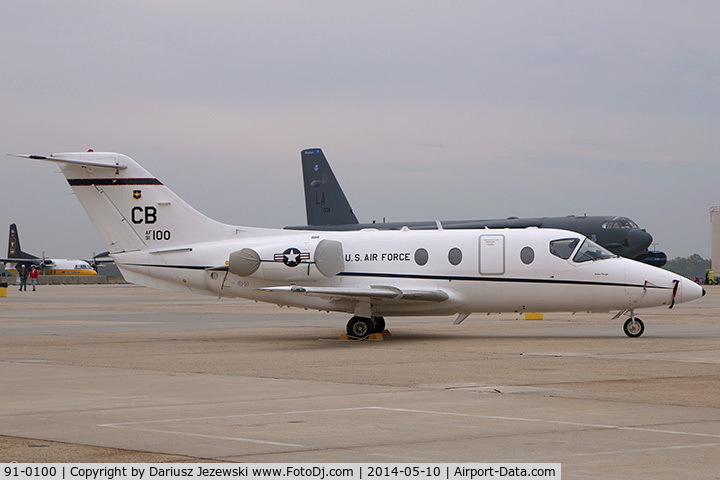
x: 14, y: 250
x: 130, y: 208
x: 325, y: 201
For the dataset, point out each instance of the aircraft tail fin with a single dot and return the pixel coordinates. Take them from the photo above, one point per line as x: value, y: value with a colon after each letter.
x: 325, y: 202
x: 130, y: 208
x: 14, y: 250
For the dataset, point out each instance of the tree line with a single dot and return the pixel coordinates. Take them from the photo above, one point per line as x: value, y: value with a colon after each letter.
x: 690, y: 267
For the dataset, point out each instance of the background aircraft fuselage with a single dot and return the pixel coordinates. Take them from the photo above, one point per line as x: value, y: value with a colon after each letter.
x: 328, y: 209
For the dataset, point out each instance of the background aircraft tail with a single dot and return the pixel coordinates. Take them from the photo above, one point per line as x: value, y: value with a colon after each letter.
x: 14, y: 250
x: 130, y: 208
x: 325, y: 201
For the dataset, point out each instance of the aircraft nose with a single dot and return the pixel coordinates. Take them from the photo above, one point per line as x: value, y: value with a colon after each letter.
x: 639, y: 239
x: 691, y: 290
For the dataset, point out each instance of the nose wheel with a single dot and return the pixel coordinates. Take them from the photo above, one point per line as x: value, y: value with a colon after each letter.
x: 633, y: 327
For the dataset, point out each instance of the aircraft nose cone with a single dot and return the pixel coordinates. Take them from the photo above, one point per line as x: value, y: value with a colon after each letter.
x: 691, y: 290
x: 639, y: 240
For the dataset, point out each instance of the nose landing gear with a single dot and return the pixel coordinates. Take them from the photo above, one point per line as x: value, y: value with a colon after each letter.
x: 633, y: 327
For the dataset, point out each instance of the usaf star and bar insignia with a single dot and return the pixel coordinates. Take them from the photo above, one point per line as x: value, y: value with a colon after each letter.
x: 292, y: 257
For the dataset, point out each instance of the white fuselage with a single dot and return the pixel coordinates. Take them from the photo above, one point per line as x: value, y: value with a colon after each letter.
x: 487, y: 273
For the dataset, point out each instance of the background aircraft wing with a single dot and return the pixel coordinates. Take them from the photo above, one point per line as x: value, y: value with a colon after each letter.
x: 36, y: 261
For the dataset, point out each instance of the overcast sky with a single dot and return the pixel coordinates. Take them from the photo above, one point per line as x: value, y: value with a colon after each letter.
x: 425, y: 109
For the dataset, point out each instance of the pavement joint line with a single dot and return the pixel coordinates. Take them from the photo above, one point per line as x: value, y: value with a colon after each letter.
x: 217, y: 437
x: 639, y: 450
x: 557, y: 422
x: 430, y: 412
x: 217, y: 417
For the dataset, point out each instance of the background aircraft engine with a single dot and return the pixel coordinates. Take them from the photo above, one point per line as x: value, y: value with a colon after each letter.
x: 314, y: 260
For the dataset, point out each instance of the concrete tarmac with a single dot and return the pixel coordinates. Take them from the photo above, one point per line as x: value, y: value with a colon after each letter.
x: 118, y: 373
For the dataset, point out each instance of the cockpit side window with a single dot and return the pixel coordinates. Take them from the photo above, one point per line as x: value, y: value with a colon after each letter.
x: 589, y: 251
x: 563, y: 247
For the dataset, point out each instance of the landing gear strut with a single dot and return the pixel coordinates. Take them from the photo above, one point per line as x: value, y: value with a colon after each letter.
x: 362, y: 327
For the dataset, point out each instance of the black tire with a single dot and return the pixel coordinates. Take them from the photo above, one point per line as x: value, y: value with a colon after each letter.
x: 360, y: 327
x: 634, y: 327
x: 379, y: 325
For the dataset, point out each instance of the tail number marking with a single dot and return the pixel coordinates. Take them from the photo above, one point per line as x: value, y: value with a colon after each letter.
x: 143, y: 215
x: 157, y: 235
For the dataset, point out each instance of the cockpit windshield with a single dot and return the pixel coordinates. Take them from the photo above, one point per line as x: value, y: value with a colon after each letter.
x: 590, y: 251
x: 620, y: 222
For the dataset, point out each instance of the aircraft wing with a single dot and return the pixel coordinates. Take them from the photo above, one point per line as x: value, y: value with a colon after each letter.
x: 377, y: 292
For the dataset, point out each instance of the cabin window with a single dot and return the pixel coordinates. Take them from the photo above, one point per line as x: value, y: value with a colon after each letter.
x: 421, y: 256
x: 590, y: 250
x: 527, y: 255
x: 564, y: 247
x: 455, y: 256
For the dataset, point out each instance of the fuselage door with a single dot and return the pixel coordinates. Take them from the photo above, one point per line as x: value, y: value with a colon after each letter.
x: 492, y: 254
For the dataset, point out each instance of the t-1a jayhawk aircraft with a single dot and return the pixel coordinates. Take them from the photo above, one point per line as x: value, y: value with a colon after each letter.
x: 160, y: 241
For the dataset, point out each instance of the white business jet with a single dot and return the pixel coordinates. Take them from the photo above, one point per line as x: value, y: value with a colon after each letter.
x: 159, y: 241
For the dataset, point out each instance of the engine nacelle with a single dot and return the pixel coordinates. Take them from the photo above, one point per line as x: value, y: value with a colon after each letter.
x: 281, y: 262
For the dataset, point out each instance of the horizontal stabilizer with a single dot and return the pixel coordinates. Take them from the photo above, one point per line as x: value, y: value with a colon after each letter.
x: 112, y: 162
x: 374, y: 292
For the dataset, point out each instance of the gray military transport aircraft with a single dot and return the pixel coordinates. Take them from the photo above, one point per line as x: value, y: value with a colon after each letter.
x: 328, y: 209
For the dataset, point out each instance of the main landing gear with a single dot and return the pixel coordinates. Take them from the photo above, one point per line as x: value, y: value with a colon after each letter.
x: 362, y: 327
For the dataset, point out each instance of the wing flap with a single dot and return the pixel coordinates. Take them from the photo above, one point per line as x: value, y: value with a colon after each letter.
x: 375, y: 292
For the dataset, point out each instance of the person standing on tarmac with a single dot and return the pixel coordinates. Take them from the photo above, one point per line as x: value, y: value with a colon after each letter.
x: 33, y: 277
x: 23, y: 274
